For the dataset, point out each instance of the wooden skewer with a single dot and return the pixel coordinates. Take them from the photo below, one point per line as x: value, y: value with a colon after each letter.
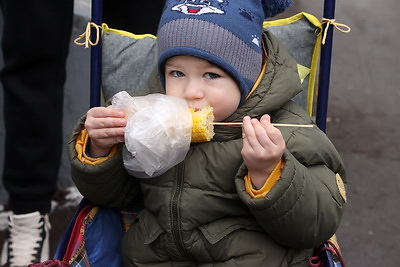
x: 273, y: 124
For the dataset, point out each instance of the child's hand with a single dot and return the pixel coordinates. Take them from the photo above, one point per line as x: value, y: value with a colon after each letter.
x: 105, y: 127
x: 263, y: 147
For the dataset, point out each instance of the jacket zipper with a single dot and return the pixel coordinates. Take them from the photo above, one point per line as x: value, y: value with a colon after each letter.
x: 175, y: 214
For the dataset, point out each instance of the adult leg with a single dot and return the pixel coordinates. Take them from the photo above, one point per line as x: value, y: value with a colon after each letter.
x: 35, y: 46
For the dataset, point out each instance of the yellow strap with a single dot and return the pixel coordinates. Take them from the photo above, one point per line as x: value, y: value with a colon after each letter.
x: 334, y: 240
x: 86, y: 35
x: 126, y: 33
x: 269, y: 183
x: 315, y: 55
x: 339, y: 26
x: 279, y: 22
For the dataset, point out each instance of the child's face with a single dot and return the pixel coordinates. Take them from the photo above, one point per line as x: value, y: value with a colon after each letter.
x: 201, y: 84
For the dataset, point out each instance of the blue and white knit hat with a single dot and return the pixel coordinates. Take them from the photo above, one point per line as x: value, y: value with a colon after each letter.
x: 228, y: 33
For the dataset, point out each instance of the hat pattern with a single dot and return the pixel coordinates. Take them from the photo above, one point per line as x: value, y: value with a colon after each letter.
x: 227, y: 33
x: 199, y: 7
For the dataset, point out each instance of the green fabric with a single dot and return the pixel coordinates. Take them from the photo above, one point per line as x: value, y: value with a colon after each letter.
x: 198, y: 211
x: 126, y: 62
x: 301, y: 35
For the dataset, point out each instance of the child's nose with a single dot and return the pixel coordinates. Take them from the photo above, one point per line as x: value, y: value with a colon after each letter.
x: 194, y: 90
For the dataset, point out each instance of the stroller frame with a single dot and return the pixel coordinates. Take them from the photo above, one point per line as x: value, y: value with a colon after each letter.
x: 325, y: 250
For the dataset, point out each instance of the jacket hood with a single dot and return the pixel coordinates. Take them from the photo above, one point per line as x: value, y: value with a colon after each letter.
x: 279, y: 84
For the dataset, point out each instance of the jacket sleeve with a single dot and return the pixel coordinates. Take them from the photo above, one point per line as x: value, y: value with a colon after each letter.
x: 105, y: 184
x: 305, y: 206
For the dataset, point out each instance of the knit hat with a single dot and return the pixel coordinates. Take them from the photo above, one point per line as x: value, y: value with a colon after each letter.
x: 227, y: 33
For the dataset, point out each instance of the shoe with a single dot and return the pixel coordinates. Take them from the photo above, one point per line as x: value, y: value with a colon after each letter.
x: 27, y: 240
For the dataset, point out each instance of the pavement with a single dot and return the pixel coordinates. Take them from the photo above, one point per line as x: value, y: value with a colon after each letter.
x: 363, y: 123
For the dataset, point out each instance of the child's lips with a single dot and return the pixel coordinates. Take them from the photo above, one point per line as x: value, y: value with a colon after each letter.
x: 195, y: 109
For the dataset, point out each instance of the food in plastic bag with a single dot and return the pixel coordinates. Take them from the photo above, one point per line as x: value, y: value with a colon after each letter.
x: 157, y: 134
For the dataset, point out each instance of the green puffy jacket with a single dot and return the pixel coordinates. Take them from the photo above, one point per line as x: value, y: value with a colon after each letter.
x: 198, y: 212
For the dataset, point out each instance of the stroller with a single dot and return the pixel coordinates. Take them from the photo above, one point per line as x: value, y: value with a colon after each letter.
x: 92, y: 237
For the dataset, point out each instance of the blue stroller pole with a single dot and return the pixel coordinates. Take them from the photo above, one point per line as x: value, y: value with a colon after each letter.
x: 325, y: 68
x: 95, y: 57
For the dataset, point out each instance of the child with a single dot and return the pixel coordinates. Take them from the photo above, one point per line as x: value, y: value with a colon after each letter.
x: 255, y: 195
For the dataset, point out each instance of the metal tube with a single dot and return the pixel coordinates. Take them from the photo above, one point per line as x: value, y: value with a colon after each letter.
x: 325, y: 68
x: 95, y: 56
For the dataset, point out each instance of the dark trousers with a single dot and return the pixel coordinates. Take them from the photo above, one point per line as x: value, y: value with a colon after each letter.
x: 35, y: 42
x: 35, y: 46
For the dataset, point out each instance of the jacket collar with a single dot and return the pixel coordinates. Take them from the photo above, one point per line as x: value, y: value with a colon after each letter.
x: 277, y: 85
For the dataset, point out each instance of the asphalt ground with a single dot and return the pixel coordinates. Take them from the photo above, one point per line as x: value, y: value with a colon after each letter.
x: 363, y: 123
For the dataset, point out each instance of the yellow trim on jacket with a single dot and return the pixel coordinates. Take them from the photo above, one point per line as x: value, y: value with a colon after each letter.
x: 80, y: 148
x: 269, y: 183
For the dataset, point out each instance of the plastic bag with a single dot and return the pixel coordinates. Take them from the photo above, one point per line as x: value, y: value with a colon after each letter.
x: 157, y: 134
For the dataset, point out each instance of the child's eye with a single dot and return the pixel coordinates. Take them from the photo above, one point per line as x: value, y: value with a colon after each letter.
x: 177, y: 73
x: 210, y: 75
